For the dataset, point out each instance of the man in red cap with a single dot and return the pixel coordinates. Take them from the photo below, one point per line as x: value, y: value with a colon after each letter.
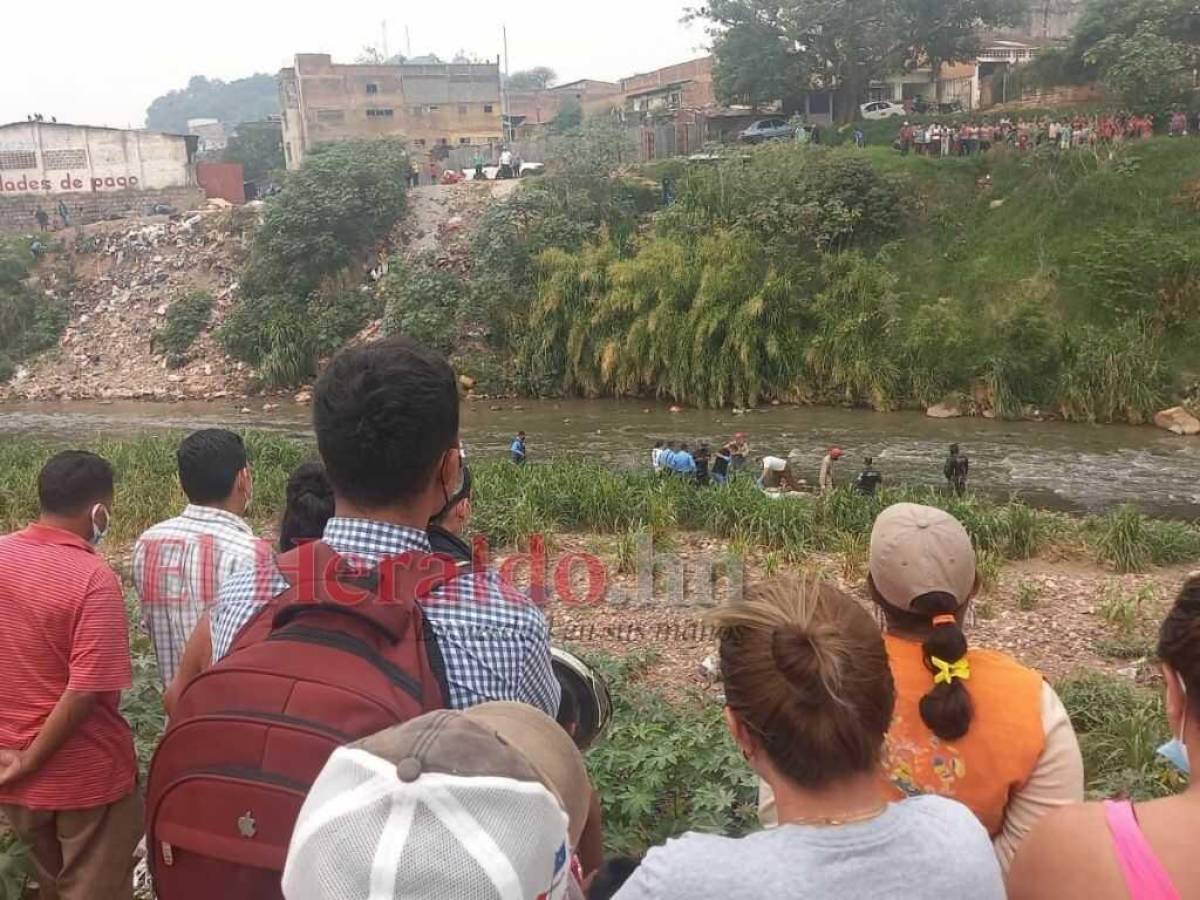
x: 826, y: 479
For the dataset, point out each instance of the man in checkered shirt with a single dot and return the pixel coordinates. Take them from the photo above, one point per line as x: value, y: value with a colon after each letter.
x: 386, y: 418
x: 179, y: 565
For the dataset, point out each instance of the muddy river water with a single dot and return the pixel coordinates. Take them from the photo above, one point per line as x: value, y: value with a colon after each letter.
x: 1069, y: 466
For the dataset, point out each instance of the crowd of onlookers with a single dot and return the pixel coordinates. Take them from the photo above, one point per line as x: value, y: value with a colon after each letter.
x: 359, y: 712
x: 1061, y: 132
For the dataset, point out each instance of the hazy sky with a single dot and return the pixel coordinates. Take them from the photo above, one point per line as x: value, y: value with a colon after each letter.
x: 105, y: 62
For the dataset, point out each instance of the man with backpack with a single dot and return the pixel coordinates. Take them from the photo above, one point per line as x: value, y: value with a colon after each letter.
x: 338, y: 638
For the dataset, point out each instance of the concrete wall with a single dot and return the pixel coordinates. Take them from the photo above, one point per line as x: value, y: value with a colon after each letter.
x: 42, y: 158
x: 17, y: 211
x: 446, y: 104
x: 686, y: 85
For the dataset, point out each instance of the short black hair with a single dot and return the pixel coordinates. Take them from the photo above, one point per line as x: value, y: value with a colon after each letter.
x: 309, y: 506
x: 385, y: 413
x: 658, y: 444
x: 611, y: 877
x: 869, y: 460
x: 568, y: 709
x: 73, y: 481
x: 209, y: 462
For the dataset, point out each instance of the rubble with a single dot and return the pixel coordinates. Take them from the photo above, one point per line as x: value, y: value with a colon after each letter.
x: 119, y: 279
x: 1178, y: 421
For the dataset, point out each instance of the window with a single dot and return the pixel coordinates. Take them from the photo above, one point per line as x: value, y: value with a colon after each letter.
x: 444, y: 141
x: 372, y: 89
x: 487, y: 107
x: 465, y: 142
x: 419, y: 142
x: 462, y: 109
x: 374, y: 113
x: 331, y: 116
x: 64, y: 159
x: 434, y: 108
x: 18, y: 159
x: 418, y: 110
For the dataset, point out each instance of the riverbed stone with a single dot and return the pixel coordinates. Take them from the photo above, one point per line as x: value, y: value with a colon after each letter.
x: 1177, y: 420
x: 947, y: 409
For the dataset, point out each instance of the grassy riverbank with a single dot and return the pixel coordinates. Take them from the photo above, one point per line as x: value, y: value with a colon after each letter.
x: 667, y: 764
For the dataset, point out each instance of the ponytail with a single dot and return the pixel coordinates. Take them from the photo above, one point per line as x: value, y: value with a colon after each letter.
x: 947, y: 708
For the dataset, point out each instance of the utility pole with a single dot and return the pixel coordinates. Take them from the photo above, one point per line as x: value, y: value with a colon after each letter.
x: 504, y: 110
x: 407, y: 43
x: 383, y: 28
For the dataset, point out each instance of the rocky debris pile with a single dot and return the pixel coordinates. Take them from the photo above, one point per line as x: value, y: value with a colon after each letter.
x: 441, y: 219
x: 119, y: 279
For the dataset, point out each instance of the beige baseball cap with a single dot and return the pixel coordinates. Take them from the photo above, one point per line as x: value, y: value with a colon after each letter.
x: 918, y: 550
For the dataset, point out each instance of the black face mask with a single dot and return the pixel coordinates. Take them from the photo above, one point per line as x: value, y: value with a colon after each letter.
x: 463, y: 491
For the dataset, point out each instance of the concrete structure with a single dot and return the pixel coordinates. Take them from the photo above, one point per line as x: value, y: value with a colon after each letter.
x: 214, y: 136
x: 687, y: 85
x: 223, y: 180
x: 430, y: 105
x: 95, y: 172
x: 528, y: 109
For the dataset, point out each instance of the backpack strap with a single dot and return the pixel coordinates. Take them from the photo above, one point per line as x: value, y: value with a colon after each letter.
x: 382, y: 596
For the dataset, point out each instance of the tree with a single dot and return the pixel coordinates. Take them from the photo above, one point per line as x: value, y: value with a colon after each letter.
x: 569, y: 117
x: 372, y: 56
x: 536, y: 79
x: 243, y: 100
x: 767, y: 49
x: 258, y: 146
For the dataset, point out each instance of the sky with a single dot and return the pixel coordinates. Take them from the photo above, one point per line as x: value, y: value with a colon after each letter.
x: 107, y: 61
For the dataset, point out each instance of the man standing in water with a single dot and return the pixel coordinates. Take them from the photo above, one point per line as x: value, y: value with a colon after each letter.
x: 869, y: 479
x: 518, y: 448
x: 826, y: 479
x: 955, y: 470
x: 739, y: 452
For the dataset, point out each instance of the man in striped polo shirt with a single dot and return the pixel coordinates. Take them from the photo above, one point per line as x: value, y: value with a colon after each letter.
x: 68, y: 776
x: 179, y: 565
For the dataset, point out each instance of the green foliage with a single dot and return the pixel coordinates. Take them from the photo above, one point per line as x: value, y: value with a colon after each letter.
x: 1110, y: 376
x: 1119, y: 725
x: 299, y: 298
x: 536, y: 79
x: 15, y: 867
x: 666, y: 767
x: 30, y: 321
x: 1140, y: 273
x: 598, y: 148
x: 1028, y: 596
x: 1122, y: 609
x: 258, y: 146
x: 186, y: 318
x: 142, y: 705
x: 422, y: 302
x: 242, y: 100
x: 1131, y: 542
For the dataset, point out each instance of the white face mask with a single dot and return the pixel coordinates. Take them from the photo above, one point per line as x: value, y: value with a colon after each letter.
x: 99, y: 532
x: 1174, y: 751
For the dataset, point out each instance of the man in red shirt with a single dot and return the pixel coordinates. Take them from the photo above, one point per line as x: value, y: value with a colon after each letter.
x: 68, y: 774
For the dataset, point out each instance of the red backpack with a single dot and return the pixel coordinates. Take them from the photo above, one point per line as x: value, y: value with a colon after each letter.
x: 338, y: 656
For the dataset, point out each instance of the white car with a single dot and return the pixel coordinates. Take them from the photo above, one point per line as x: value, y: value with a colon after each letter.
x: 881, y: 109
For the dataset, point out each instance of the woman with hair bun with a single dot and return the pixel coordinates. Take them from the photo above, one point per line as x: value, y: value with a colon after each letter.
x: 1147, y: 851
x: 809, y: 696
x: 309, y: 506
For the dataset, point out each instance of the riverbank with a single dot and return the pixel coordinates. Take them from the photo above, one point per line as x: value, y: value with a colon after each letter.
x: 1053, y: 595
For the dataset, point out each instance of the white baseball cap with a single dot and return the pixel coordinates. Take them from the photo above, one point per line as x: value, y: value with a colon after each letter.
x: 442, y: 806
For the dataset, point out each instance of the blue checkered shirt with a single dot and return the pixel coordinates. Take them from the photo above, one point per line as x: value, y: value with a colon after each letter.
x: 494, y: 640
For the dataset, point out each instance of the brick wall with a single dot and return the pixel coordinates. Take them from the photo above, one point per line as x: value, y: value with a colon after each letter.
x: 17, y: 212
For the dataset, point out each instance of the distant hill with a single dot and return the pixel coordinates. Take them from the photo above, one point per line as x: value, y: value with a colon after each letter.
x: 242, y: 100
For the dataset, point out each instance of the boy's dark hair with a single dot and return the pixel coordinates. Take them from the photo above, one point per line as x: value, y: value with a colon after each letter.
x: 209, y: 462
x: 385, y: 413
x: 309, y: 506
x: 657, y: 444
x: 611, y: 877
x: 568, y: 710
x: 73, y: 481
x: 1179, y: 639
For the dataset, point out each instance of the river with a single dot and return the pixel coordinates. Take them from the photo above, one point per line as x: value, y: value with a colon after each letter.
x: 1066, y: 466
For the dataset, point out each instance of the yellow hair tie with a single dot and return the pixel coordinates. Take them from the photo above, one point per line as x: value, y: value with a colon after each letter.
x: 947, y: 672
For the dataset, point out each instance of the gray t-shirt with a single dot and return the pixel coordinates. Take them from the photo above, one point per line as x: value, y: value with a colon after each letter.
x: 922, y: 847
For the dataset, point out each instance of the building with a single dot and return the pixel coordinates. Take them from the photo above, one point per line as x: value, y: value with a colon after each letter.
x: 214, y: 137
x: 687, y: 85
x: 96, y: 172
x: 430, y: 105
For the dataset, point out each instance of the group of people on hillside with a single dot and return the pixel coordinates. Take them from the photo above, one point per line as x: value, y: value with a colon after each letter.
x: 701, y: 465
x: 353, y: 715
x: 1062, y: 132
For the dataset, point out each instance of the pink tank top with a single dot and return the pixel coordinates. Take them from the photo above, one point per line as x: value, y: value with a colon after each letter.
x: 1145, y: 878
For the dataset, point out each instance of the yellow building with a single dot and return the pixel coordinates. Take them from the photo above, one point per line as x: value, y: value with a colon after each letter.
x: 429, y: 105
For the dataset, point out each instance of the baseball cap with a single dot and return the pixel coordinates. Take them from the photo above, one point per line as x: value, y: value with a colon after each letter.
x: 918, y: 550
x: 444, y: 805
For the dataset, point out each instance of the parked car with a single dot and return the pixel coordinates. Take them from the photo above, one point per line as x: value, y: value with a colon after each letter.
x: 766, y: 130
x: 881, y: 109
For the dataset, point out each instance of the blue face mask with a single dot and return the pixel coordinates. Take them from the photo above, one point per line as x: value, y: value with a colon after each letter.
x: 1174, y: 751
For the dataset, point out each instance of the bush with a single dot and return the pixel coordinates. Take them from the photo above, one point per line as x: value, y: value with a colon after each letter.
x: 666, y: 767
x: 30, y: 321
x: 186, y: 318
x: 1120, y: 725
x: 422, y: 302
